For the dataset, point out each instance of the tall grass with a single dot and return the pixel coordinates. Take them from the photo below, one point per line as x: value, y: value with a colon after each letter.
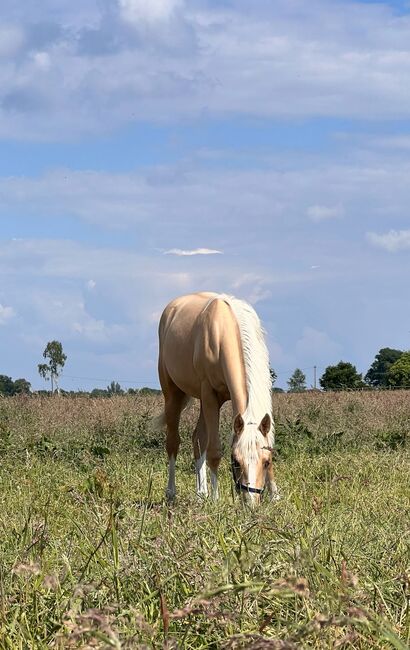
x: 92, y: 557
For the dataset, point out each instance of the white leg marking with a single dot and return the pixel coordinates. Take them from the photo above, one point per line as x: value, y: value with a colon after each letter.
x: 214, y: 485
x: 171, y: 488
x: 201, y: 483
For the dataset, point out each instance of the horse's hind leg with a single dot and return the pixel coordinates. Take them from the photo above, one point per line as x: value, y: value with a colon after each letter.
x: 175, y: 401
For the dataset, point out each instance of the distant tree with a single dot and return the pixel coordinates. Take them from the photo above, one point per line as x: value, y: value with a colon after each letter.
x: 399, y: 373
x: 297, y: 382
x: 378, y: 371
x: 6, y: 385
x: 22, y: 386
x: 276, y: 389
x: 273, y: 376
x: 114, y: 389
x: 343, y: 376
x: 99, y: 392
x: 74, y: 393
x: 148, y: 391
x: 56, y: 360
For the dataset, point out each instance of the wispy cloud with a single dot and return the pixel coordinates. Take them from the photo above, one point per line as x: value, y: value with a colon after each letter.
x: 319, y: 213
x: 135, y: 11
x: 196, y: 251
x: 400, y: 142
x: 392, y: 241
x: 6, y: 313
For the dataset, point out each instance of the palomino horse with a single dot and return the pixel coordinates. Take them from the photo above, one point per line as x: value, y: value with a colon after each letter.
x: 212, y: 347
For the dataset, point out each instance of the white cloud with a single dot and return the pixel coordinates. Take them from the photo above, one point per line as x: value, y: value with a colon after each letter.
x: 196, y: 251
x: 167, y: 60
x: 319, y: 213
x: 221, y: 198
x: 42, y: 60
x: 91, y: 284
x: 136, y: 11
x: 390, y: 142
x: 6, y: 313
x: 392, y: 241
x: 252, y: 287
x: 316, y: 347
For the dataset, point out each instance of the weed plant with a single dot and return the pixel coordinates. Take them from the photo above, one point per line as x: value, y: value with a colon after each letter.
x: 91, y: 556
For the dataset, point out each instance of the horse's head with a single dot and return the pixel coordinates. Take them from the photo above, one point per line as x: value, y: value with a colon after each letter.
x: 252, y: 458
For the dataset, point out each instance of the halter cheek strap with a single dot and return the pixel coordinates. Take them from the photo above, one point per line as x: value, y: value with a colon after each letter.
x: 241, y: 486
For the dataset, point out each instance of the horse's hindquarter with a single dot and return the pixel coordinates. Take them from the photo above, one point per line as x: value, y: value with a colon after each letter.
x: 200, y: 345
x: 178, y: 340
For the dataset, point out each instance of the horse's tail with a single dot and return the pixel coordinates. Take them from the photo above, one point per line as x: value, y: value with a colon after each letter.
x: 158, y: 423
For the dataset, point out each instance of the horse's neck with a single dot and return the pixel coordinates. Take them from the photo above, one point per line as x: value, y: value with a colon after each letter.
x: 248, y: 396
x: 257, y: 406
x: 235, y: 378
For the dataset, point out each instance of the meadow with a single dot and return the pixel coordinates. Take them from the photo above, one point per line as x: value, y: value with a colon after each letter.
x: 91, y: 556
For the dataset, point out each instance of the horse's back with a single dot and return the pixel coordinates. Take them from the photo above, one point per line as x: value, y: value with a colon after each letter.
x: 179, y: 317
x: 190, y: 333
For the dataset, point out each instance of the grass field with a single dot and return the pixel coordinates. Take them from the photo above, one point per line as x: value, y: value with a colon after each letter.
x: 92, y: 557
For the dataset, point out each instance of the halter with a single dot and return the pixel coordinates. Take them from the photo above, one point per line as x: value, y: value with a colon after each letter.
x: 241, y: 486
x: 238, y: 485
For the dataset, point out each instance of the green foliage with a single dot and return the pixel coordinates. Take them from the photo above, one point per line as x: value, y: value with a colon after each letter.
x: 378, y: 371
x: 399, y: 373
x: 343, y: 376
x: 144, y: 391
x: 10, y: 387
x: 297, y: 382
x: 273, y: 376
x: 6, y: 385
x: 99, y: 392
x: 22, y: 387
x: 114, y: 389
x: 56, y: 361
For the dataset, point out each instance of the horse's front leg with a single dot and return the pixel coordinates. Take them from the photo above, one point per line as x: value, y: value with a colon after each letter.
x: 210, y: 408
x: 200, y: 444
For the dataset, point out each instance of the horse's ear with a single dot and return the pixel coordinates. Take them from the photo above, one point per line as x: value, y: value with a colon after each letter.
x: 238, y: 424
x: 265, y: 425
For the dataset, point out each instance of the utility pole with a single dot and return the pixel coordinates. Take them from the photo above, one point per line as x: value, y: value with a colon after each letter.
x: 314, y: 377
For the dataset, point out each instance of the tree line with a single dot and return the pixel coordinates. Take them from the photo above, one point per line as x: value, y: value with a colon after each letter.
x: 390, y: 369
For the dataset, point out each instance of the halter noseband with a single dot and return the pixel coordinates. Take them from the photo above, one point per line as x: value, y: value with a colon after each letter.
x: 241, y: 486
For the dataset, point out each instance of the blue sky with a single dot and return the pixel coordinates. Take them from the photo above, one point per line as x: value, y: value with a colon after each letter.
x: 269, y: 140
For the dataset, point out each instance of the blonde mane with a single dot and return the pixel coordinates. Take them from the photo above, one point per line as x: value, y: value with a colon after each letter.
x: 257, y: 371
